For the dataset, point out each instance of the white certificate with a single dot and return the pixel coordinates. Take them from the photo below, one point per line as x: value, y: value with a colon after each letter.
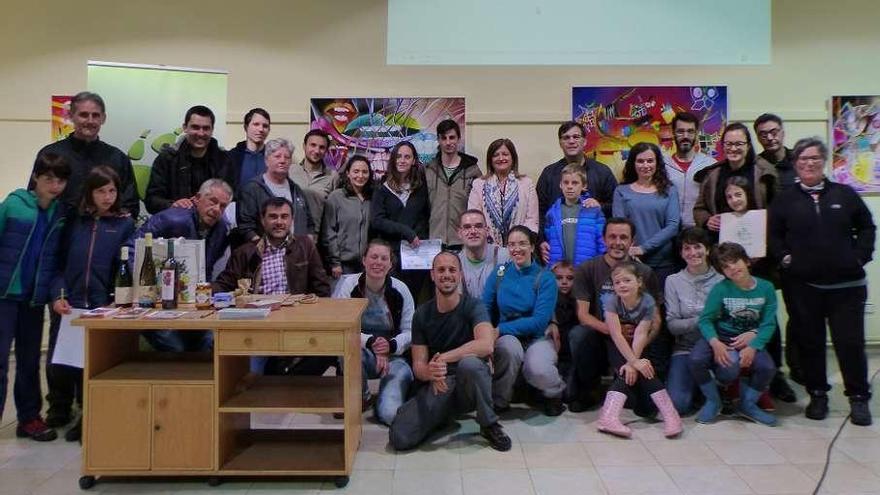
x: 748, y: 230
x: 419, y: 258
x: 69, y: 348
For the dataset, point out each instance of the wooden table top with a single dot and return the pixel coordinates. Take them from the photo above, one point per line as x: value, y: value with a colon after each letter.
x: 326, y: 314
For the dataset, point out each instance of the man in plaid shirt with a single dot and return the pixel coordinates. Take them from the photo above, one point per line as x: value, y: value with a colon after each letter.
x: 279, y: 263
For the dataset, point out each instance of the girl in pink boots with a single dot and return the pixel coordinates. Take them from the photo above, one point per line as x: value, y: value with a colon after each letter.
x: 629, y: 313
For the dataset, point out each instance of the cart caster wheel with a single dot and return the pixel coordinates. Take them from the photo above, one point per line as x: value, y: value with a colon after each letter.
x: 340, y: 481
x: 214, y: 481
x: 86, y: 482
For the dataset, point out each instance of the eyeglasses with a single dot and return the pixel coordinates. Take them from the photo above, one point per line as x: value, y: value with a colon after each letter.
x: 772, y: 133
x: 735, y: 144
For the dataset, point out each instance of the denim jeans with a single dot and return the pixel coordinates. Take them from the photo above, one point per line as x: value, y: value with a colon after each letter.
x: 22, y: 323
x: 393, y: 388
x: 702, y: 361
x: 680, y: 383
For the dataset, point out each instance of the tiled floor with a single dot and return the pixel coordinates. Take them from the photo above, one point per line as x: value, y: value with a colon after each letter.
x: 563, y: 455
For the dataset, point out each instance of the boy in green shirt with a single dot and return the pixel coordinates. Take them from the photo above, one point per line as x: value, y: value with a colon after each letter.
x: 737, y: 322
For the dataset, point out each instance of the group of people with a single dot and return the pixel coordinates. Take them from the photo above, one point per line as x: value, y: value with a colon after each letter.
x: 542, y: 288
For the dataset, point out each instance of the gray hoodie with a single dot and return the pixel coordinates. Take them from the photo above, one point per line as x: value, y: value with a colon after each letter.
x: 685, y: 297
x: 345, y: 227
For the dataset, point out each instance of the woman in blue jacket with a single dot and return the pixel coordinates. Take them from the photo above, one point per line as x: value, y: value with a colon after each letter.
x: 87, y: 272
x: 521, y: 300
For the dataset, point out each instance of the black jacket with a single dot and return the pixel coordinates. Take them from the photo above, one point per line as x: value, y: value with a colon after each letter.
x: 83, y: 157
x: 171, y: 177
x: 829, y: 241
x: 393, y: 221
x: 236, y: 158
x: 600, y: 183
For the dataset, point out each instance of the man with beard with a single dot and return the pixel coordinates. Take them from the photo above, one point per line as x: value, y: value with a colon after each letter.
x: 449, y: 176
x: 452, y: 339
x: 589, y: 340
x: 771, y: 135
x: 180, y: 169
x: 279, y: 262
x: 313, y: 176
x: 683, y: 165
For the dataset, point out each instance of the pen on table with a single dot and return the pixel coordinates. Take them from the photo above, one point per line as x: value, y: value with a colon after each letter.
x: 209, y: 313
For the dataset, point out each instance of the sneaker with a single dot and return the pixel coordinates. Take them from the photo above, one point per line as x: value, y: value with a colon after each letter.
x: 75, y: 433
x: 765, y: 402
x: 818, y: 407
x: 56, y: 417
x: 780, y: 388
x: 553, y: 407
x: 859, y: 413
x: 36, y: 429
x: 498, y: 440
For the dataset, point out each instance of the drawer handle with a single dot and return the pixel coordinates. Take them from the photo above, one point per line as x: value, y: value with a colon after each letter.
x: 313, y: 341
x: 248, y: 341
x: 157, y: 427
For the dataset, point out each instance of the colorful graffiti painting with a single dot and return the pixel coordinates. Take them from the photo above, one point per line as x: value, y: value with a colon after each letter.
x: 372, y: 126
x: 617, y: 117
x: 61, y: 123
x: 855, y: 138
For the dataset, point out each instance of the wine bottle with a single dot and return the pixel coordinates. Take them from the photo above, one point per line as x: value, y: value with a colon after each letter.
x: 124, y: 291
x: 147, y: 279
x: 170, y: 285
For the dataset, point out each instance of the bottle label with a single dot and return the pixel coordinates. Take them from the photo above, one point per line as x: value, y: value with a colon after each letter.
x: 123, y: 296
x: 167, y: 285
x: 147, y: 296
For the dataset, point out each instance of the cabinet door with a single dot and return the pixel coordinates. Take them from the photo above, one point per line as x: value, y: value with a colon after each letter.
x: 117, y: 430
x: 183, y: 427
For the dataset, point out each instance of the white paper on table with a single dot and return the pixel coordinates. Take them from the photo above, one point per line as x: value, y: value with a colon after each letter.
x: 419, y: 258
x: 748, y: 230
x: 70, y: 348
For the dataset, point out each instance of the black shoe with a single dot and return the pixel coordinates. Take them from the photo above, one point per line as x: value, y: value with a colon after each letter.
x: 818, y: 407
x: 37, y: 430
x: 859, y: 413
x: 75, y: 434
x: 780, y: 388
x: 58, y: 417
x: 498, y: 440
x: 553, y: 407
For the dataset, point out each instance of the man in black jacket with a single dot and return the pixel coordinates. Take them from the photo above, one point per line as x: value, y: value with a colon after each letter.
x: 600, y: 179
x: 822, y: 234
x: 179, y: 170
x: 84, y: 151
x: 248, y: 157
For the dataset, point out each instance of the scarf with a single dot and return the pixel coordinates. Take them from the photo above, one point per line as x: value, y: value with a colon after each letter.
x: 500, y: 207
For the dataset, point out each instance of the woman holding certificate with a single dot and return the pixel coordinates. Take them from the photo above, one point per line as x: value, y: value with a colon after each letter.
x: 740, y: 160
x: 400, y: 209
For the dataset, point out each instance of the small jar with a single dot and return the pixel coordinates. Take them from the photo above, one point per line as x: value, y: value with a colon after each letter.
x: 203, y: 295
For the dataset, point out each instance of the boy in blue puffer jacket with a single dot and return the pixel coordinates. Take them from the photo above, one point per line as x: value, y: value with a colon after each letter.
x: 573, y: 227
x: 30, y: 229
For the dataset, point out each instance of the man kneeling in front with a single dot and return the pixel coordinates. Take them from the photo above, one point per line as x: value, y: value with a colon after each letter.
x: 452, y: 338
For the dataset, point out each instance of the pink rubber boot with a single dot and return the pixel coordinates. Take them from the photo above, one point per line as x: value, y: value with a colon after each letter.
x: 671, y: 419
x: 609, y: 417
